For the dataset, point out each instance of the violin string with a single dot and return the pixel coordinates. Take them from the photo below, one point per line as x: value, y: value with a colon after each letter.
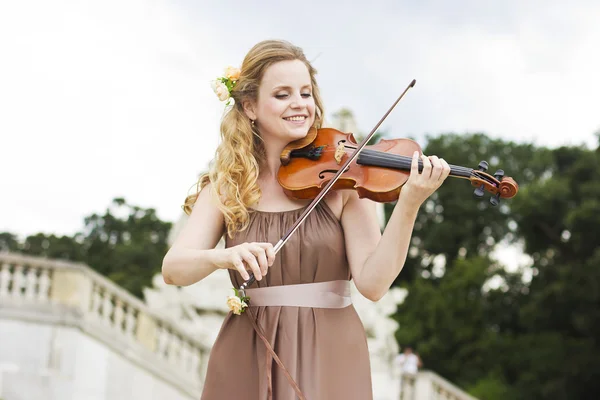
x: 404, y: 159
x: 406, y: 162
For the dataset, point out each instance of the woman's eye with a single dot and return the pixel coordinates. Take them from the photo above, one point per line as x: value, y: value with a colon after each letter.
x: 283, y: 96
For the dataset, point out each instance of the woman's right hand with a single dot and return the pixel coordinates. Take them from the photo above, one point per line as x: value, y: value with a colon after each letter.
x: 255, y: 256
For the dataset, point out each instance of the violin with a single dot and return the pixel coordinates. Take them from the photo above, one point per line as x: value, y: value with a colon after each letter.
x: 320, y: 162
x: 378, y: 172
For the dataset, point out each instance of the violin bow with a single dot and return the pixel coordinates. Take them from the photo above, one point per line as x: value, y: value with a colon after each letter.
x: 326, y: 189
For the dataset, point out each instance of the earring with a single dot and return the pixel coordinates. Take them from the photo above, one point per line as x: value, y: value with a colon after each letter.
x: 252, y: 122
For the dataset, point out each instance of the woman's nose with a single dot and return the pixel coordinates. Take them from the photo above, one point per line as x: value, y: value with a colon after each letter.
x: 298, y: 101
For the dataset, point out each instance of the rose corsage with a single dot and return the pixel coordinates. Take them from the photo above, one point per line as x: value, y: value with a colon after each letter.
x: 237, y: 303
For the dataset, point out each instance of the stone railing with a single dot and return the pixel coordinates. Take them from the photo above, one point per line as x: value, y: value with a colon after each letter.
x: 72, y: 294
x: 428, y: 385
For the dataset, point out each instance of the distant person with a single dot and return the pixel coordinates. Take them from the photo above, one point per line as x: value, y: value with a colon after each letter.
x: 408, y: 362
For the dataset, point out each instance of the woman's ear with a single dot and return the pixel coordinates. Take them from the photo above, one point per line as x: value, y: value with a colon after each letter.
x: 249, y: 109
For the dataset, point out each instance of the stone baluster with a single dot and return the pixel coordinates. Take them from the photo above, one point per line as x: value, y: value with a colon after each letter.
x: 147, y: 332
x: 43, y: 286
x: 96, y: 302
x: 118, y: 315
x: 174, y: 348
x: 5, y: 276
x: 106, y: 307
x: 30, y: 287
x: 130, y: 319
x: 17, y: 281
x: 162, y: 338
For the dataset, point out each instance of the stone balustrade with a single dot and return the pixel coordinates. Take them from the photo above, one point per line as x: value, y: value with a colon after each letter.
x: 427, y: 385
x: 72, y: 294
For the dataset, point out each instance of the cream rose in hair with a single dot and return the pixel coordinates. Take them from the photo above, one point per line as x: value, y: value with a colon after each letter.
x: 235, y: 304
x: 220, y: 90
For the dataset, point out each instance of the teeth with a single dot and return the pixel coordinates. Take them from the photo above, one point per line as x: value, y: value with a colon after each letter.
x: 295, y: 118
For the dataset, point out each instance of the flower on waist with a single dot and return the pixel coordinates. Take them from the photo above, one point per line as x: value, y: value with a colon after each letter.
x: 236, y: 303
x: 223, y: 85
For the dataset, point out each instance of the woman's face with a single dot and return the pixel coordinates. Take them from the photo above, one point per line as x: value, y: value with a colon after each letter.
x: 285, y: 108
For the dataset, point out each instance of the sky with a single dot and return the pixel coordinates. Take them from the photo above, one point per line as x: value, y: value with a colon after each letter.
x: 112, y: 98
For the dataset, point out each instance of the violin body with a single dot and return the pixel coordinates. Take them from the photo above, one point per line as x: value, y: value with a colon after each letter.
x: 378, y: 173
x: 305, y: 175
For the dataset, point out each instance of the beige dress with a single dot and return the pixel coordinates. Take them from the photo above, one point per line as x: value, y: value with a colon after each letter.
x: 324, y: 349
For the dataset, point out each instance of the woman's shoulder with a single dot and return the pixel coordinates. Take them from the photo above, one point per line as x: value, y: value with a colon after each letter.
x: 340, y: 200
x: 350, y: 204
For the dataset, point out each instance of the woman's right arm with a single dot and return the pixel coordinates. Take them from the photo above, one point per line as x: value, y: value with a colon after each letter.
x: 193, y: 256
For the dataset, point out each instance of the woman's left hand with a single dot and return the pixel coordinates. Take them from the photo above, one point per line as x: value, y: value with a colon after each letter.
x: 420, y: 186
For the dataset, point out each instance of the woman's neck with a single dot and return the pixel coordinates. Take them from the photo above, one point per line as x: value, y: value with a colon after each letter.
x: 271, y: 163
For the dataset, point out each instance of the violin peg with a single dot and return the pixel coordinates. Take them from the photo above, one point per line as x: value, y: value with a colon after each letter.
x: 479, y: 192
x: 483, y: 166
x: 495, y: 199
x: 499, y: 174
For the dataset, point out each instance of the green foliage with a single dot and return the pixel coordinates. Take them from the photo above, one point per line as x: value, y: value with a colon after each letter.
x: 448, y: 322
x: 8, y: 241
x: 491, y: 387
x: 126, y: 244
x: 453, y: 221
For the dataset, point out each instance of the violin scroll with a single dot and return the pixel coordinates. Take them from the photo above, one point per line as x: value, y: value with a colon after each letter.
x: 498, y: 185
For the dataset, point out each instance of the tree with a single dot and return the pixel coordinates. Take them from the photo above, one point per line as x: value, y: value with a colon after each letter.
x: 9, y: 242
x: 519, y: 339
x: 559, y: 219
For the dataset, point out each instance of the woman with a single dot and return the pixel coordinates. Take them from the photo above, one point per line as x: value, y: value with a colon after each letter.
x: 316, y: 340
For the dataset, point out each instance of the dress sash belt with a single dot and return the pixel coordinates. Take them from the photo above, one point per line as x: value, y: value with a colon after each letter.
x: 331, y: 294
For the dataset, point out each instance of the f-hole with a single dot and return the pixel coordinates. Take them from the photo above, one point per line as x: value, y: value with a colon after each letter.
x: 347, y: 144
x: 330, y: 171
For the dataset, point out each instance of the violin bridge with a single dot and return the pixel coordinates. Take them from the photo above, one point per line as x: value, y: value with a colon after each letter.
x: 339, y: 153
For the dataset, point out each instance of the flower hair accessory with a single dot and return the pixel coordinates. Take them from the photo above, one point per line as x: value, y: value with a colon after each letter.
x: 236, y: 303
x: 223, y: 85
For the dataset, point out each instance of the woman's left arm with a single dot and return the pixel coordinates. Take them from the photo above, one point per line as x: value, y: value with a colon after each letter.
x: 375, y: 259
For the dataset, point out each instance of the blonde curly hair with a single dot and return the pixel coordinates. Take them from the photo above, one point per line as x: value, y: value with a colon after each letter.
x: 234, y: 170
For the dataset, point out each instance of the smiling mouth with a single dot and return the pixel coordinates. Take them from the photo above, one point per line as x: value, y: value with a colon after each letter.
x: 296, y: 118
